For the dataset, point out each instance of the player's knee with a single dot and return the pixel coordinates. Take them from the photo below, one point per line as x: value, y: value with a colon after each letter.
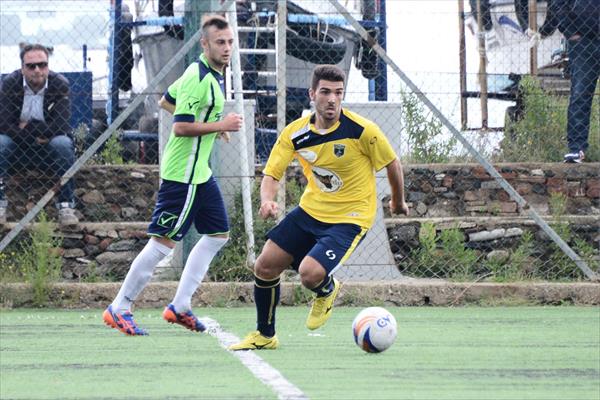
x: 265, y: 271
x: 311, y: 277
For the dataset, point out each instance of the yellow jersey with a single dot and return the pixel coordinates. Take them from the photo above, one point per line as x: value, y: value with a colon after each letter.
x: 339, y: 164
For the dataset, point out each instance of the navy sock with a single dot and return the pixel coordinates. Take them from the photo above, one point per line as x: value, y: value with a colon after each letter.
x: 266, y: 297
x: 325, y: 287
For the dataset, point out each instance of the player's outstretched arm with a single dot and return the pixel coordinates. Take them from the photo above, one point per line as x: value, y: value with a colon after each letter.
x: 268, y: 191
x: 396, y: 178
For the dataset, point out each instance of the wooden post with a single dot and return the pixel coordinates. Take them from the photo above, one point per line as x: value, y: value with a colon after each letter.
x: 462, y: 61
x: 533, y: 61
x: 482, y: 69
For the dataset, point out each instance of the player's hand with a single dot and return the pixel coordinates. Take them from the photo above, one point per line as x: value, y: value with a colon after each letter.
x: 401, y: 208
x: 226, y: 136
x: 269, y: 209
x: 41, y: 140
x: 23, y: 124
x: 232, y: 122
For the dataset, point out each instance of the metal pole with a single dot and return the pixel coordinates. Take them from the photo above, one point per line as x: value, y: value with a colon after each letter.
x: 482, y: 68
x: 236, y: 74
x: 485, y: 163
x: 462, y: 62
x: 281, y: 84
x: 112, y: 105
x: 381, y: 79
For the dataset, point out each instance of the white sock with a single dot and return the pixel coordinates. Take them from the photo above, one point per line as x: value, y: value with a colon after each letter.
x: 196, y: 267
x: 139, y: 274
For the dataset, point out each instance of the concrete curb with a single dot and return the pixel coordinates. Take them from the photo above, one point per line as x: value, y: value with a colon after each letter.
x: 401, y: 293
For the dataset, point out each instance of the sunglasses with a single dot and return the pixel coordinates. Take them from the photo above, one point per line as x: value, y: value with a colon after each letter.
x: 40, y: 65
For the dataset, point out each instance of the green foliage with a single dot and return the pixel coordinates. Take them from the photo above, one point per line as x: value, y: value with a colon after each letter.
x: 112, y: 152
x: 92, y: 275
x: 40, y: 259
x: 460, y: 260
x: 425, y: 262
x: 79, y: 135
x: 425, y: 135
x: 559, y: 266
x: 9, y: 267
x: 521, y: 263
x: 541, y: 134
x: 443, y: 255
x: 231, y: 262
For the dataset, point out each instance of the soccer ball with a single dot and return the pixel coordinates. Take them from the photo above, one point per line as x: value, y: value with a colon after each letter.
x: 374, y: 329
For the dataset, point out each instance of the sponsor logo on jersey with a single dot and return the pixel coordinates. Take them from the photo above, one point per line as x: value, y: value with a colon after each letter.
x: 306, y: 137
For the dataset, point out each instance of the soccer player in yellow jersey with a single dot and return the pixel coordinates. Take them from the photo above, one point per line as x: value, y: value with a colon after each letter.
x: 339, y: 152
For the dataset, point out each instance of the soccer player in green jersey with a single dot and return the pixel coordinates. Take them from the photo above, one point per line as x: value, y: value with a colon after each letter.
x: 188, y: 192
x: 339, y: 151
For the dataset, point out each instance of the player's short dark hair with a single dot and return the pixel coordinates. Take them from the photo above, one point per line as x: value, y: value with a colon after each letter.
x: 215, y: 20
x: 327, y: 72
x: 27, y: 47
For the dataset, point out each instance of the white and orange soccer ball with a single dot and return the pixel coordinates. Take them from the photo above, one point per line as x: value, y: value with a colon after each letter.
x: 374, y: 329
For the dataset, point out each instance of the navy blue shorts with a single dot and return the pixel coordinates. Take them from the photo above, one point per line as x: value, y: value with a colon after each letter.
x: 180, y: 204
x: 301, y: 235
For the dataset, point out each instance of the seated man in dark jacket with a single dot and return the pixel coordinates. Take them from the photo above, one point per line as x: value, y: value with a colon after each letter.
x: 34, y: 126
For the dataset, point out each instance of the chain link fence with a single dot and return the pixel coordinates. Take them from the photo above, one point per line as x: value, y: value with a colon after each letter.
x: 505, y: 79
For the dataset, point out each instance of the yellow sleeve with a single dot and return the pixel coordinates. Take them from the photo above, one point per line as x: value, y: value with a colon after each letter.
x: 377, y: 147
x: 280, y: 157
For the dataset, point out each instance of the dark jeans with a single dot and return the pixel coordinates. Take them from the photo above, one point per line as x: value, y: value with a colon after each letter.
x: 584, y: 64
x: 56, y: 156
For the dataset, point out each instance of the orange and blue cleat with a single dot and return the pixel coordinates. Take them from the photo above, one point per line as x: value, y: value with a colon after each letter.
x: 123, y: 322
x: 187, y: 319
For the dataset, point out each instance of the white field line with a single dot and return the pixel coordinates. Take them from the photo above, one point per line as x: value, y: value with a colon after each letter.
x: 257, y: 366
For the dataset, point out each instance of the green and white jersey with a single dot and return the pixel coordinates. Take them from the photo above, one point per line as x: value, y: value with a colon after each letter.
x: 199, y: 95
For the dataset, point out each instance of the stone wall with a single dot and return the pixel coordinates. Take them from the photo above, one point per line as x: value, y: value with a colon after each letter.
x: 444, y: 190
x: 128, y: 192
x: 115, y: 205
x: 103, y: 193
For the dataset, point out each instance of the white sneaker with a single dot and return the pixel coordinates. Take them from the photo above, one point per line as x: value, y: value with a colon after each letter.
x: 574, y: 158
x: 67, y: 217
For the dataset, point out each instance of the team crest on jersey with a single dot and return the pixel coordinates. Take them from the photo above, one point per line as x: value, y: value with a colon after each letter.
x: 339, y: 149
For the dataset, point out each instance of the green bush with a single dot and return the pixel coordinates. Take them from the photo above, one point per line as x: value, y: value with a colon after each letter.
x: 112, y: 153
x: 540, y: 135
x: 443, y: 255
x: 521, y: 263
x: 425, y: 135
x: 460, y: 260
x: 40, y: 259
